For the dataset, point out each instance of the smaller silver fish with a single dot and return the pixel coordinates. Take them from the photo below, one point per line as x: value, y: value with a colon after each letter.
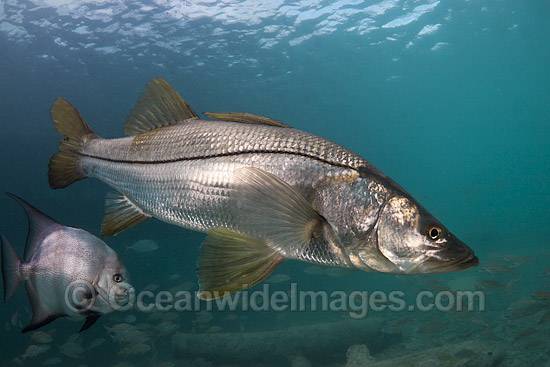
x: 41, y: 337
x: 35, y: 350
x: 541, y: 295
x: 135, y: 349
x: 143, y: 246
x: 67, y: 271
x: 73, y: 350
x: 488, y: 284
x: 497, y: 269
x: 96, y: 343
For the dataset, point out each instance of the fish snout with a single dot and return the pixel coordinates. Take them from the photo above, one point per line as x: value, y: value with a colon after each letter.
x: 122, y: 293
x: 455, y: 256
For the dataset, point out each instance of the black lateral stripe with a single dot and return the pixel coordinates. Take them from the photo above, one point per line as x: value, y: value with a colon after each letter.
x: 183, y: 159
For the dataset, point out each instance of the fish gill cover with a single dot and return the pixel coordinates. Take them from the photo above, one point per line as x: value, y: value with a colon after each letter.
x: 449, y: 98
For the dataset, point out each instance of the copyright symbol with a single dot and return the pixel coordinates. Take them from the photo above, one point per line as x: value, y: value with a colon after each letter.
x: 80, y: 295
x: 122, y: 296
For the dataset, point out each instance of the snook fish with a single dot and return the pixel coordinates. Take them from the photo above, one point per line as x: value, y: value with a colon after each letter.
x: 67, y: 272
x: 263, y: 191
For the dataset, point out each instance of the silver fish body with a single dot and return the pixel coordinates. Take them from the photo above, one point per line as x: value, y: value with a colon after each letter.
x: 67, y: 271
x: 304, y: 196
x: 182, y: 174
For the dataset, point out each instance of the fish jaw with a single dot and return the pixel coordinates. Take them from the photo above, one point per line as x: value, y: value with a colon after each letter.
x: 458, y: 257
x: 430, y: 266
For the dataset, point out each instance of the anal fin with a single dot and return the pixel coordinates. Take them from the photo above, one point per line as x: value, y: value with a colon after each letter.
x: 230, y: 262
x: 40, y: 315
x: 120, y: 214
x: 38, y: 324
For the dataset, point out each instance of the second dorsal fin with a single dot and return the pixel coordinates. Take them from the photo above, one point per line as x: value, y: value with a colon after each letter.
x: 159, y: 105
x: 244, y: 117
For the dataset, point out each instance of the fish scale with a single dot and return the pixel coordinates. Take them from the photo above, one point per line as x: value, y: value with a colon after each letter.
x: 195, y: 193
x: 199, y: 139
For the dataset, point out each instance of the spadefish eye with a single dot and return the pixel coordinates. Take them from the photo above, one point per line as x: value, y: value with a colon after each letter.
x: 434, y: 233
x: 118, y: 278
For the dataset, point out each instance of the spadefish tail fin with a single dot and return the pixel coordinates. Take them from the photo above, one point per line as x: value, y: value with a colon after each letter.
x: 11, y: 273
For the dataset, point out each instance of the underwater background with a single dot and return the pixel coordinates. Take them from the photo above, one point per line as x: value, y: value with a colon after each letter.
x: 449, y: 98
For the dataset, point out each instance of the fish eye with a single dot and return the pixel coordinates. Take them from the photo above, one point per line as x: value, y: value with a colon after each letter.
x: 434, y: 233
x: 118, y: 278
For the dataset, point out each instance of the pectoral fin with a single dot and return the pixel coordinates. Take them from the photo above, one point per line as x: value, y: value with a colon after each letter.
x: 229, y: 262
x: 120, y: 214
x: 268, y: 208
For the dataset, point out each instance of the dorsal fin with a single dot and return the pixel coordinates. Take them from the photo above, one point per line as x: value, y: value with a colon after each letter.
x: 246, y: 118
x: 159, y: 105
x: 40, y: 226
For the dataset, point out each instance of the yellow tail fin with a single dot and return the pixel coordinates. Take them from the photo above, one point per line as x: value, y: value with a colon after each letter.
x: 63, y: 169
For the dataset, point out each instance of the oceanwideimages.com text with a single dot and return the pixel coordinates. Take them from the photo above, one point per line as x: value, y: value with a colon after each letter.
x: 356, y: 303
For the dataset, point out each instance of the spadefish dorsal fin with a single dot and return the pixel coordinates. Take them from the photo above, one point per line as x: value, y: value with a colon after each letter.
x: 40, y: 226
x: 229, y: 262
x: 246, y: 118
x: 40, y: 315
x: 159, y: 105
x: 120, y: 214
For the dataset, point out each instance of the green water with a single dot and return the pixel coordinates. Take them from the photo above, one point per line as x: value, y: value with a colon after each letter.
x: 451, y: 99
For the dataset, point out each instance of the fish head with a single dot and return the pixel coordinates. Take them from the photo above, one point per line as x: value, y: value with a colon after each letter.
x: 408, y: 240
x: 415, y: 242
x: 97, y: 281
x: 112, y: 285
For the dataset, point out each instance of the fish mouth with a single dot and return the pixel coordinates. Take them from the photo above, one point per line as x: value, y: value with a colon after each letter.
x: 456, y: 256
x: 464, y: 263
x: 122, y: 295
x: 467, y: 263
x: 122, y: 298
